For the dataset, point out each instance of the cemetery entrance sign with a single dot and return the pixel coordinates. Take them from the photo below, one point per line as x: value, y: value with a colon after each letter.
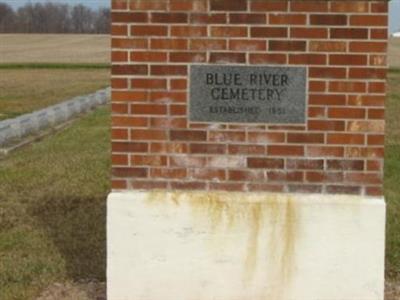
x: 247, y: 94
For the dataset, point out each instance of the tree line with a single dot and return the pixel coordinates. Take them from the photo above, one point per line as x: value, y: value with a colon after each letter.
x: 53, y: 18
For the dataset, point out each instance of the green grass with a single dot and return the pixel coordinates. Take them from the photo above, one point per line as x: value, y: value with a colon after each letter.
x: 52, y: 205
x: 392, y: 176
x: 14, y: 66
x: 52, y: 209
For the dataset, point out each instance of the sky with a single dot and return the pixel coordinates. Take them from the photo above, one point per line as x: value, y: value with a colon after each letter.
x: 394, y: 10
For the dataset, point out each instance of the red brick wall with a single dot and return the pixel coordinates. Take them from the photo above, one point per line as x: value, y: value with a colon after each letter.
x: 340, y: 149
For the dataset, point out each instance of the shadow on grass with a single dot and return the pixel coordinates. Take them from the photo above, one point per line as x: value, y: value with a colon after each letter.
x: 76, y: 226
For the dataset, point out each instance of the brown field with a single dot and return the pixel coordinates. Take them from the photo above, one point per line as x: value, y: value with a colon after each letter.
x: 23, y: 91
x: 394, y: 52
x: 54, y: 48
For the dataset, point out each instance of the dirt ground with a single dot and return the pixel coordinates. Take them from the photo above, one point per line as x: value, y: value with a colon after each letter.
x: 54, y: 48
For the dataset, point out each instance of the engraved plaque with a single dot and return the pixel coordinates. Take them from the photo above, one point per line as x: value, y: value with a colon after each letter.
x: 248, y: 94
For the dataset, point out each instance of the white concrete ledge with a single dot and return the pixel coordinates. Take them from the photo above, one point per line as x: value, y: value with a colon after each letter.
x: 244, y: 246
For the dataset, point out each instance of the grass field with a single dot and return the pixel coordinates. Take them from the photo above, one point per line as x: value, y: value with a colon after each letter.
x: 394, y: 53
x: 23, y: 91
x: 54, y: 48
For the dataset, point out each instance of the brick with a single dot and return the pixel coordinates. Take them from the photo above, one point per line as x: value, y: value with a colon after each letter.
x: 266, y: 137
x: 348, y: 59
x: 374, y: 191
x: 375, y: 126
x: 188, y: 57
x: 248, y: 175
x: 326, y: 125
x: 181, y: 185
x: 130, y: 172
x: 119, y: 4
x: 246, y: 149
x: 376, y: 113
x: 168, y: 122
x: 247, y: 45
x: 119, y: 134
x: 379, y: 34
x: 148, y: 185
x: 347, y: 87
x: 309, y: 6
x: 119, y: 108
x: 223, y: 57
x: 287, y: 19
x: 189, y: 31
x: 168, y: 173
x: 168, y: 97
x: 363, y: 178
x: 309, y: 33
x: 224, y: 5
x: 188, y: 5
x: 178, y: 110
x: 345, y: 165
x: 245, y: 18
x: 137, y: 43
x: 327, y: 46
x: 149, y: 160
x: 148, y: 5
x: 144, y: 83
x: 265, y: 163
x: 375, y: 165
x: 119, y: 83
x: 362, y: 152
x: 208, y: 174
x: 368, y: 47
x: 148, y: 135
x: 188, y: 135
x: 129, y: 69
x: 268, y: 32
x: 330, y: 177
x: 208, y: 19
x: 174, y: 44
x: 129, y: 17
x: 345, y: 139
x: 227, y: 162
x: 266, y: 187
x: 273, y: 5
x: 366, y: 100
x: 226, y: 136
x: 376, y: 87
x: 169, y: 17
x: 305, y: 164
x: 239, y: 187
x: 316, y: 86
x: 129, y: 147
x: 369, y: 20
x: 324, y: 19
x: 324, y: 151
x: 119, y: 30
x: 168, y: 70
x: 129, y: 96
x: 319, y: 72
x: 378, y: 60
x: 305, y: 138
x: 367, y: 73
x: 379, y: 7
x: 286, y: 150
x: 349, y: 33
x: 324, y: 99
x: 316, y: 112
x: 147, y: 56
x: 309, y: 59
x: 286, y: 176
x: 148, y: 109
x: 118, y: 184
x: 207, y: 148
x: 287, y: 46
x: 119, y: 56
x: 350, y: 6
x: 343, y: 189
x: 129, y: 121
x: 346, y: 113
x: 208, y: 44
x: 178, y: 84
x: 149, y: 30
x: 228, y: 31
x: 266, y: 58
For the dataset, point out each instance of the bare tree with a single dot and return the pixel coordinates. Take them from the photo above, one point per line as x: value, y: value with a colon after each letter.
x: 54, y: 18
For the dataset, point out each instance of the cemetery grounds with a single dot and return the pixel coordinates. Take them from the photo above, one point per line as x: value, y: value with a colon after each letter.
x: 53, y: 192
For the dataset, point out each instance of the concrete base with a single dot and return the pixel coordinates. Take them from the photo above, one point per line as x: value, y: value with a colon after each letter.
x: 244, y: 246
